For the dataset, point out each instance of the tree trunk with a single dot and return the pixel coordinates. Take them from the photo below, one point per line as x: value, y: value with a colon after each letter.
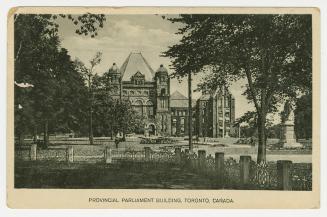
x: 124, y: 135
x: 91, y: 128
x: 190, y: 115
x: 45, y: 135
x: 35, y: 134
x: 261, y: 122
x: 91, y: 111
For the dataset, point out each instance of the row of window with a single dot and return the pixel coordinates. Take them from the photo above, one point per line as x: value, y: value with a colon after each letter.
x: 227, y: 121
x: 220, y: 114
x: 138, y: 82
x: 181, y: 124
x: 140, y: 92
x: 135, y: 92
x: 220, y: 102
x: 162, y: 79
x: 179, y: 113
x: 144, y: 110
x: 182, y: 120
x: 163, y: 103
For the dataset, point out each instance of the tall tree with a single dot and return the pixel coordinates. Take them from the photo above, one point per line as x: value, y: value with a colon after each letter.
x: 89, y: 74
x: 55, y: 86
x: 271, y: 52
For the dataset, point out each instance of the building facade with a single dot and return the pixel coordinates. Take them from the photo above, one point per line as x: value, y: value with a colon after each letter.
x: 215, y: 114
x: 180, y: 114
x: 148, y: 91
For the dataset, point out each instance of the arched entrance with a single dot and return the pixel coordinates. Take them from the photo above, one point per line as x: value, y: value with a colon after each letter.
x: 152, y: 130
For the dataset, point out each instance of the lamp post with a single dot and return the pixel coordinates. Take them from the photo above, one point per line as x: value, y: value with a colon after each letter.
x: 91, y: 109
x: 190, y: 119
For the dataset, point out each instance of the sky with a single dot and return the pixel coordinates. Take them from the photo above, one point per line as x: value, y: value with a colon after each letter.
x: 149, y: 34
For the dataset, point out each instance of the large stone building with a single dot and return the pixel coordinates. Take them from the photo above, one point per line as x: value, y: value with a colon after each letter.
x: 179, y: 114
x: 215, y: 114
x: 147, y: 90
x: 149, y: 93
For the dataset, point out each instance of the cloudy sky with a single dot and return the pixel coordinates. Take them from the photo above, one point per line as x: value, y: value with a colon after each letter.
x: 122, y: 34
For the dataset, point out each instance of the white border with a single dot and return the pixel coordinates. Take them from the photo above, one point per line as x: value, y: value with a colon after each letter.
x: 7, y: 4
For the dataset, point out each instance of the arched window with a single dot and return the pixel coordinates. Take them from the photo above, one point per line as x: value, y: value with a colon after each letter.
x: 149, y: 108
x: 138, y: 107
x: 226, y: 102
x: 163, y: 91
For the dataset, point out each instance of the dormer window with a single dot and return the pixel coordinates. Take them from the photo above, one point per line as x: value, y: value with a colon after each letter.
x: 138, y: 78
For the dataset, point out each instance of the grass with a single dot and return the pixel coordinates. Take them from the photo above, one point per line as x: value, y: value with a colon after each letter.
x: 142, y: 175
x: 50, y: 174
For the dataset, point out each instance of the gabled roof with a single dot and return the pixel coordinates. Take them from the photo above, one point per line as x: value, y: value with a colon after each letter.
x: 177, y: 95
x: 138, y: 74
x: 179, y: 103
x: 178, y: 100
x: 136, y: 62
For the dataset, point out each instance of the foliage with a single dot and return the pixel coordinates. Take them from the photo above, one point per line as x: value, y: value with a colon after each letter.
x: 271, y: 52
x: 250, y: 129
x: 112, y: 115
x: 303, y: 117
x: 55, y: 98
x: 92, y: 80
x: 126, y: 119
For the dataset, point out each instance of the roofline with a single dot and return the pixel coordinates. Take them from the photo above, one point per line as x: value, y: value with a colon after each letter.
x: 146, y: 62
x: 124, y: 65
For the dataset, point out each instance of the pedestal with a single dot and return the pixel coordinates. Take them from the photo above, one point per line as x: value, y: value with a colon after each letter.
x: 288, y: 140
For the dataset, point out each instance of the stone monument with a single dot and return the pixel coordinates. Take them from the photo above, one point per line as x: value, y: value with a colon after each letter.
x: 288, y: 138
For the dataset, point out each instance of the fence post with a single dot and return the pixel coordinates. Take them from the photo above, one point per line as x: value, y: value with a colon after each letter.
x: 219, y: 166
x: 284, y: 175
x: 185, y: 158
x: 70, y: 154
x: 147, y: 153
x: 108, y: 155
x: 33, y: 152
x: 178, y: 155
x: 193, y: 161
x: 245, y: 162
x: 201, y: 160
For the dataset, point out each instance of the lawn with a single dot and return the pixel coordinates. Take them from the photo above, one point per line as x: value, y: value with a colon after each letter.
x: 50, y: 174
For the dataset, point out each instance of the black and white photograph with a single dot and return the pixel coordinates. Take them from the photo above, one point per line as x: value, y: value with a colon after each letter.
x: 163, y: 101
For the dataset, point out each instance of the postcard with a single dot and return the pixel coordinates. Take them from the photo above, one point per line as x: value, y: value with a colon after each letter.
x: 163, y: 107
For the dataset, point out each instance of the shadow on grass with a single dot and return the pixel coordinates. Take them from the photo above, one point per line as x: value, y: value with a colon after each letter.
x: 47, y: 174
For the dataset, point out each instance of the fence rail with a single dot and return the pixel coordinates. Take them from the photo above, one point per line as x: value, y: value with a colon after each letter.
x: 227, y: 173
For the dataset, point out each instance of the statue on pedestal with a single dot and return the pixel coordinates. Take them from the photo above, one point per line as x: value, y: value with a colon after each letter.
x: 288, y: 138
